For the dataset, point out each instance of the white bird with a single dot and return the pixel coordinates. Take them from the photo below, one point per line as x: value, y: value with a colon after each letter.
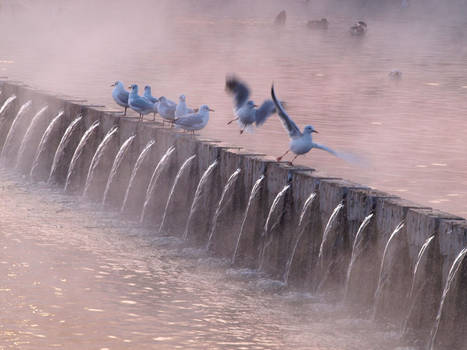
x: 245, y: 110
x: 300, y: 142
x: 182, y: 109
x: 166, y: 109
x: 148, y: 96
x: 194, y: 121
x: 120, y: 95
x: 139, y: 104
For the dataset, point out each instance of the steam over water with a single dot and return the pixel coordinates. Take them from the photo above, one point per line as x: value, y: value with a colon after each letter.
x: 411, y: 132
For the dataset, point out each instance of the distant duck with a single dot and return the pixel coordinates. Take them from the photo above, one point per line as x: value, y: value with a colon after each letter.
x: 395, y: 74
x: 359, y: 28
x: 194, y: 121
x: 280, y: 18
x: 166, y: 109
x: 120, y: 95
x: 318, y: 24
x: 182, y: 109
x: 139, y: 104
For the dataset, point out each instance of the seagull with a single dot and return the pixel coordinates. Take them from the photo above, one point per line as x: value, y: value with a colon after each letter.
x: 359, y: 28
x: 166, y: 108
x: 194, y: 121
x: 182, y: 109
x: 300, y: 142
x: 245, y: 110
x: 120, y: 95
x: 138, y: 103
x: 148, y: 96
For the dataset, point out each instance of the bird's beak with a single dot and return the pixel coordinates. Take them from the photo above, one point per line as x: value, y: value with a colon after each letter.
x: 129, y: 87
x: 315, y: 131
x: 211, y: 110
x: 113, y: 84
x: 256, y: 106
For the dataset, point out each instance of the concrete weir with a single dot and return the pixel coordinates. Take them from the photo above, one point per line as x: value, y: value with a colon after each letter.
x: 381, y: 280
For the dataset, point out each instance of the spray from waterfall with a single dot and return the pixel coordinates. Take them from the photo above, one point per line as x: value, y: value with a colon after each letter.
x: 78, y: 151
x: 198, y: 195
x: 61, y: 146
x: 97, y: 158
x: 6, y: 105
x: 181, y: 171
x: 134, y: 172
x: 42, y: 144
x: 224, y: 200
x: 27, y: 136
x: 7, y: 145
x: 253, y: 193
x: 154, y: 180
x: 301, y: 230
x: 116, y: 165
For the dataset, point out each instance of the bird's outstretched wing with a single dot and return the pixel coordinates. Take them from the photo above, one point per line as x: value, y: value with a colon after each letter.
x: 288, y: 123
x: 264, y: 112
x: 239, y: 89
x: 189, y: 120
x: 325, y: 148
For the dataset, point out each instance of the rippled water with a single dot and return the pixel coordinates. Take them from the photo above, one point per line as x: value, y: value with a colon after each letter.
x: 410, y: 132
x: 76, y: 277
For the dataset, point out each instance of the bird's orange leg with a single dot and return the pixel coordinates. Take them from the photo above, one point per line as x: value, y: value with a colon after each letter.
x: 282, y: 156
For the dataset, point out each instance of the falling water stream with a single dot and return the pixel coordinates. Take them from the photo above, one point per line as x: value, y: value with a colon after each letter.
x: 11, y: 133
x: 7, y: 104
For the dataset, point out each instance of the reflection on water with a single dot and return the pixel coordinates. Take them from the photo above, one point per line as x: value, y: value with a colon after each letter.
x: 76, y: 277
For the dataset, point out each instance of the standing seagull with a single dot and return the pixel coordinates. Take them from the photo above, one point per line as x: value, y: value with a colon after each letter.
x: 148, y: 96
x: 194, y: 121
x: 166, y: 109
x: 139, y: 104
x: 245, y: 110
x: 120, y: 95
x: 182, y: 109
x: 300, y: 143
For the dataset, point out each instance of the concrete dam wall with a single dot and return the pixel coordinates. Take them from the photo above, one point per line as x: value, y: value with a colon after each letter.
x: 398, y: 261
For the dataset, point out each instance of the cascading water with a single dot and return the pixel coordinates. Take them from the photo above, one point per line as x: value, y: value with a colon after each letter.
x: 139, y: 161
x: 7, y: 145
x: 97, y: 157
x: 305, y: 208
x: 253, y: 193
x: 27, y: 136
x: 267, y: 238
x: 61, y: 146
x: 154, y: 179
x: 42, y: 144
x: 453, y: 271
x: 78, y: 151
x: 359, y: 245
x: 421, y: 254
x: 116, y: 165
x: 184, y: 166
x: 7, y: 104
x: 223, y: 201
x: 382, y: 276
x: 198, y: 194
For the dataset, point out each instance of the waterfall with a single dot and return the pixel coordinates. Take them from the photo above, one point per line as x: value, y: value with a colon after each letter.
x: 224, y: 200
x: 198, y: 193
x: 78, y: 151
x: 139, y: 161
x: 6, y: 146
x: 27, y: 136
x: 7, y: 104
x: 116, y: 165
x: 174, y: 186
x: 382, y: 277
x: 97, y: 157
x: 154, y: 179
x: 253, y: 193
x: 357, y: 249
x: 305, y: 208
x: 61, y: 146
x: 447, y: 287
x: 267, y: 238
x: 43, y: 143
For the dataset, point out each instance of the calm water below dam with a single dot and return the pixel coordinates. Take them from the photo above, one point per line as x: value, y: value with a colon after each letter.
x: 76, y: 277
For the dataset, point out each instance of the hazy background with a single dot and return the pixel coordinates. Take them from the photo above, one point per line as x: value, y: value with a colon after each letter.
x: 412, y: 131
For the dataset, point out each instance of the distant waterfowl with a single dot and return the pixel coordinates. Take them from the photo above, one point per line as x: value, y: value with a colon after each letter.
x: 300, y: 142
x: 359, y: 28
x: 280, y: 18
x: 395, y: 74
x: 246, y: 111
x: 318, y: 24
x: 194, y: 121
x: 120, y: 95
x: 139, y: 104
